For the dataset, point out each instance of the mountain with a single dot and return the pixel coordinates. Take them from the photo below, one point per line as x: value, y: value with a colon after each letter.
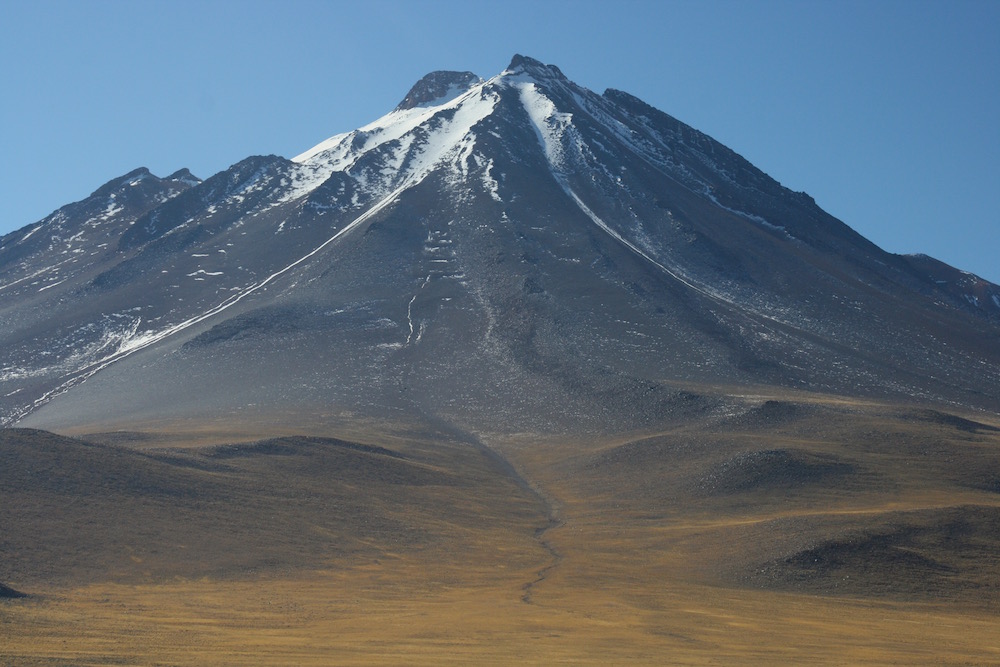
x: 504, y: 255
x: 516, y: 373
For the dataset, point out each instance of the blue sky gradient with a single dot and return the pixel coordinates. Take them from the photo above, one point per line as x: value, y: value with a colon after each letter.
x: 885, y: 112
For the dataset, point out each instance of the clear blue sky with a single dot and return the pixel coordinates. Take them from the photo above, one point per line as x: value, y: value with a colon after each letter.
x: 886, y: 112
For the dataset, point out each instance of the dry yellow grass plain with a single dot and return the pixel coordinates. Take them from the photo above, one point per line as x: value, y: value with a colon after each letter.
x: 405, y: 612
x: 622, y: 551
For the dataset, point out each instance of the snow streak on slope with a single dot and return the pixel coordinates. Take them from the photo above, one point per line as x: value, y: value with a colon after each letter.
x: 406, y: 142
x: 450, y: 138
x: 568, y: 152
x: 449, y: 124
x: 550, y: 125
x: 552, y: 128
x: 130, y: 342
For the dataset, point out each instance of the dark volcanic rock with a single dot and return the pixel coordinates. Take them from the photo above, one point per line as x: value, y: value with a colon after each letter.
x: 771, y: 470
x: 919, y: 555
x: 8, y: 593
x: 954, y: 421
x: 438, y: 87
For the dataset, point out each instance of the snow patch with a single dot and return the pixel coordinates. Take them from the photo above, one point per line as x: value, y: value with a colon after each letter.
x: 51, y: 285
x: 748, y: 216
x: 549, y: 123
x: 490, y: 183
x: 412, y: 140
x: 28, y: 235
x: 35, y: 274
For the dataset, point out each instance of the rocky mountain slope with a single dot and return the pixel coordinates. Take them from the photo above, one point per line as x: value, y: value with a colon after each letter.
x: 510, y: 254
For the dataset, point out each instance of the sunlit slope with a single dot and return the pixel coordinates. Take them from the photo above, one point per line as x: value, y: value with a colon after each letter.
x: 512, y: 253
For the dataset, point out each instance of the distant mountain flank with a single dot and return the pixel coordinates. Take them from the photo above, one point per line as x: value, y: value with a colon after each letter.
x: 505, y: 254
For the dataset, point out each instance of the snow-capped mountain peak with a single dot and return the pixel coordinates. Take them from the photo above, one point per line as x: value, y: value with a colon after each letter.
x: 437, y: 88
x: 496, y: 243
x: 524, y: 64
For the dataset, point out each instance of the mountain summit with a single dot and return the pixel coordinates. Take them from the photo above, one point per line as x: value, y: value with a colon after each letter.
x: 437, y: 88
x: 510, y: 254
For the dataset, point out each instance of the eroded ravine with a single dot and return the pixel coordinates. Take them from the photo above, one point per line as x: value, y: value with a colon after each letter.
x: 553, y: 516
x: 542, y: 536
x: 551, y: 505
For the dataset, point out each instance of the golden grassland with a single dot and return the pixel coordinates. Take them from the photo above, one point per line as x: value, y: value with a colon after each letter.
x: 408, y: 612
x: 607, y: 551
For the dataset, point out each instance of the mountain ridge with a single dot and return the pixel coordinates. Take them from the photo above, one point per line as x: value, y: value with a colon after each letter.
x: 468, y: 216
